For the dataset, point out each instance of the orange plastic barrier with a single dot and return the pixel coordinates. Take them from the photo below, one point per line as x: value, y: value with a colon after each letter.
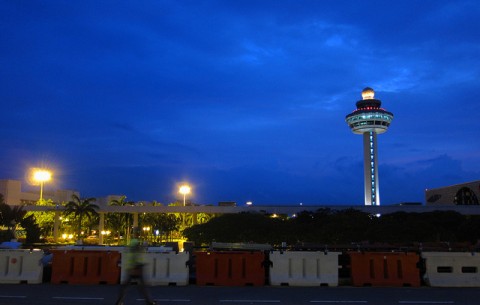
x: 85, y: 267
x: 230, y: 268
x: 384, y: 269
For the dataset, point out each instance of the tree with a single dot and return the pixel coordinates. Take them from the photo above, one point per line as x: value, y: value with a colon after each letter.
x: 114, y: 222
x: 32, y: 229
x: 14, y: 216
x: 81, y: 208
x: 346, y: 226
x: 121, y: 221
x: 167, y: 223
x: 11, y: 217
x: 45, y: 220
x: 241, y: 227
x: 164, y: 223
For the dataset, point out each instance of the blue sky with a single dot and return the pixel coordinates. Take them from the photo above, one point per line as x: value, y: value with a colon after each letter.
x: 245, y: 100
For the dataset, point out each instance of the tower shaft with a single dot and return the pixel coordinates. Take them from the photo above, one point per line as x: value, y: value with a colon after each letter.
x: 370, y: 171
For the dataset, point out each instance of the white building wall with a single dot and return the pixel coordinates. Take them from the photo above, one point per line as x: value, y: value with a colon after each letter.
x: 11, y: 191
x: 13, y: 194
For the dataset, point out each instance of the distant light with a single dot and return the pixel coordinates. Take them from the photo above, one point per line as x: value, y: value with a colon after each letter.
x: 249, y: 203
x: 301, y: 203
x: 184, y: 189
x: 368, y: 94
x: 42, y: 175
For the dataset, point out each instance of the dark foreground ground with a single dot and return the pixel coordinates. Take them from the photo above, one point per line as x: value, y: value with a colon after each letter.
x: 50, y: 294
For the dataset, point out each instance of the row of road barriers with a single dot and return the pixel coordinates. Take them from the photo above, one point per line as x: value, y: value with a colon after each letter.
x: 246, y: 268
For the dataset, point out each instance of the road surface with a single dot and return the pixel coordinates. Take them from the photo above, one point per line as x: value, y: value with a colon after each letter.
x: 50, y: 294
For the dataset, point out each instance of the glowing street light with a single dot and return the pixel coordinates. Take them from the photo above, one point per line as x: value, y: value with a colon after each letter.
x: 184, y: 190
x: 41, y: 176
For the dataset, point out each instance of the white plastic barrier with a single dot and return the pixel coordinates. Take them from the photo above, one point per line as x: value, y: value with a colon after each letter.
x: 92, y: 248
x: 163, y: 268
x: 452, y: 269
x: 299, y: 268
x: 111, y: 248
x: 21, y: 266
x: 160, y: 249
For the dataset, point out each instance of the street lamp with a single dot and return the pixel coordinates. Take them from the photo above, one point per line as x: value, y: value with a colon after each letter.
x: 184, y: 190
x: 41, y: 176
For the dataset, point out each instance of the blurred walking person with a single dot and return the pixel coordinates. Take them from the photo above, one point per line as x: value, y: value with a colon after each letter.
x: 134, y: 263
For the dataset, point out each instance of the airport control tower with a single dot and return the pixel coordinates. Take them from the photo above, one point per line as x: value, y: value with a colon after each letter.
x: 369, y: 120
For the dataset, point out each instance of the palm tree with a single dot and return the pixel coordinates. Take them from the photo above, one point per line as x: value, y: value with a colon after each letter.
x: 114, y: 222
x: 81, y: 208
x: 124, y: 219
x: 11, y: 216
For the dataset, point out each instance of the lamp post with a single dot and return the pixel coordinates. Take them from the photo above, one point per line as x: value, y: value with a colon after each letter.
x: 41, y: 176
x: 184, y: 190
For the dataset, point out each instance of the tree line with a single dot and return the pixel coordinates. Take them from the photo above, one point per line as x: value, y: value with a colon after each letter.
x: 339, y: 227
x: 323, y: 227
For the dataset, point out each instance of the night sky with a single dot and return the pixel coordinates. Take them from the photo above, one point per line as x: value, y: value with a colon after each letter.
x: 245, y: 100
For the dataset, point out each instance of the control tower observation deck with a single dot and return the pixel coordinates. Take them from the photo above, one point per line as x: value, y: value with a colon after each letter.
x: 369, y: 120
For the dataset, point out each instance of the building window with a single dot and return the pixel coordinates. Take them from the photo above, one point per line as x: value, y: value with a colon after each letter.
x: 465, y: 196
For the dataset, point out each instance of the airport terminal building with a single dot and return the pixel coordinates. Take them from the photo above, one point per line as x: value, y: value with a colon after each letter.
x: 459, y: 194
